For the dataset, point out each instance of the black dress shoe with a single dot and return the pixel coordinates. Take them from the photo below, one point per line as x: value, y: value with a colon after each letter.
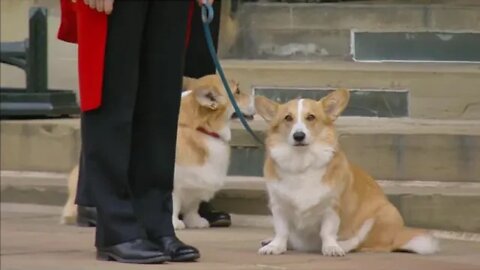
x: 86, y: 216
x: 176, y: 249
x: 137, y: 251
x: 214, y: 217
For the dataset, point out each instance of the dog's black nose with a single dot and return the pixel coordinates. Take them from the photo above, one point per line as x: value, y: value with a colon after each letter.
x: 299, y: 136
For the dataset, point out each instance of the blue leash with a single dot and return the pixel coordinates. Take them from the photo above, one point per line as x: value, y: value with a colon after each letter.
x: 207, y: 17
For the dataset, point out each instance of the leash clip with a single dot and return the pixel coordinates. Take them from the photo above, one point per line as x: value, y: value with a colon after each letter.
x: 207, y: 17
x: 207, y: 12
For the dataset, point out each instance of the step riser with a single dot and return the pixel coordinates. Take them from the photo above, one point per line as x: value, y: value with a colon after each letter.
x: 55, y: 148
x: 38, y: 195
x: 360, y: 16
x: 41, y: 147
x: 319, y: 31
x: 456, y: 213
x: 363, y: 102
x: 441, y: 212
x: 415, y: 46
x: 433, y: 94
x: 292, y: 44
x: 393, y: 157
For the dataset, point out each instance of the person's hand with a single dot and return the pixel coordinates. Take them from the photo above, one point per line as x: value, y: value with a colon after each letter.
x: 100, y: 5
x: 200, y: 2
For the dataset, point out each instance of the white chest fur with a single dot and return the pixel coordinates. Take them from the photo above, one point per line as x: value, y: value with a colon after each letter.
x: 193, y: 184
x: 209, y: 176
x: 300, y: 192
x: 302, y: 198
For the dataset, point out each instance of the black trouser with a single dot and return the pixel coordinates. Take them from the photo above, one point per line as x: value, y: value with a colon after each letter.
x: 198, y: 63
x: 129, y: 142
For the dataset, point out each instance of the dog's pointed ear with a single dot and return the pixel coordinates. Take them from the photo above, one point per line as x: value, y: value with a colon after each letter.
x: 207, y: 97
x: 334, y: 103
x: 266, y: 108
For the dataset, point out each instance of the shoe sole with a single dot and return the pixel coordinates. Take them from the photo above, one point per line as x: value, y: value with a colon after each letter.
x: 106, y: 256
x: 85, y: 222
x: 186, y: 258
x: 221, y: 224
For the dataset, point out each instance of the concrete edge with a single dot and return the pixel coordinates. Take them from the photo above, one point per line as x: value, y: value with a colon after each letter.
x: 237, y: 220
x: 251, y: 183
x: 338, y: 65
x: 345, y: 125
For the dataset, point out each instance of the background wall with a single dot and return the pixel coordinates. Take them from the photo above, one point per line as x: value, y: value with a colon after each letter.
x: 62, y: 56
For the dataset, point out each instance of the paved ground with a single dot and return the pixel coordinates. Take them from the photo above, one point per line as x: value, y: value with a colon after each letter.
x: 32, y: 239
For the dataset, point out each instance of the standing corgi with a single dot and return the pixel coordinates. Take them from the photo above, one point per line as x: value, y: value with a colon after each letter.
x: 203, y: 150
x: 319, y: 200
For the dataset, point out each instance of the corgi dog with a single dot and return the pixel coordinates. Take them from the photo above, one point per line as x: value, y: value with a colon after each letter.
x: 319, y: 200
x: 203, y: 151
x: 69, y: 212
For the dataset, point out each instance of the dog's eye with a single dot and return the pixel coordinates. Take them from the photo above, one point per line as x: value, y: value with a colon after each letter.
x: 310, y: 117
x: 288, y: 118
x: 237, y: 91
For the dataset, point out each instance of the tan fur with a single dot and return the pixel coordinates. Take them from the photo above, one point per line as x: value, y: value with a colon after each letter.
x: 69, y: 214
x: 359, y: 197
x: 187, y: 83
x: 191, y: 150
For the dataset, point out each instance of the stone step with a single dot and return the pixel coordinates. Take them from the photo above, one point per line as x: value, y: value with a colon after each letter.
x: 436, y: 91
x: 51, y: 145
x: 435, y: 205
x: 318, y: 31
x: 363, y: 102
x: 367, y: 15
x: 397, y: 148
x: 414, y: 46
x: 389, y: 148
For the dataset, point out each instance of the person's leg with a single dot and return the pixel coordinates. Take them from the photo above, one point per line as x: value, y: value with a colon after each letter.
x: 107, y: 142
x: 84, y: 195
x: 107, y: 130
x: 198, y: 63
x: 86, y: 211
x: 155, y: 119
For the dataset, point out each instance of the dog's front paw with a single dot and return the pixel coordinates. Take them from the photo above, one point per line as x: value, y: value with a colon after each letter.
x: 272, y: 249
x: 332, y: 250
x: 68, y: 220
x: 178, y: 224
x: 196, y: 222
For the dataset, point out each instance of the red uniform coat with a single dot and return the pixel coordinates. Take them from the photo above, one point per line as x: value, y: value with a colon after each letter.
x: 88, y: 28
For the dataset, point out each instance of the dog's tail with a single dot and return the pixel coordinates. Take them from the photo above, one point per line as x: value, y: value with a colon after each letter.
x: 353, y: 243
x: 69, y: 213
x: 416, y: 240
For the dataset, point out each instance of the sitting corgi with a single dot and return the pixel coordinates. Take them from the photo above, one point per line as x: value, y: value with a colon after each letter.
x: 319, y: 200
x: 203, y: 150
